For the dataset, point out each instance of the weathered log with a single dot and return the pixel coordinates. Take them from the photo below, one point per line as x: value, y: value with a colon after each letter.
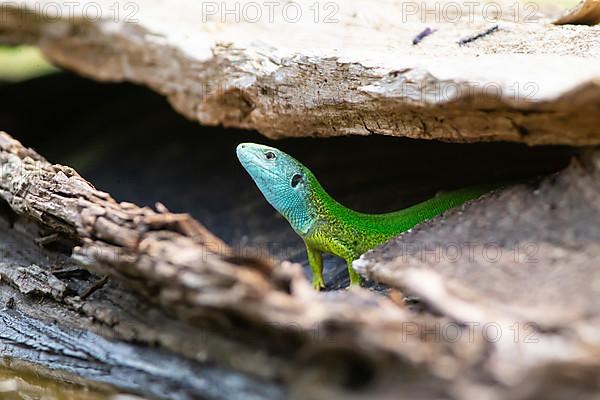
x: 47, y: 327
x: 365, y: 77
x: 263, y: 326
x: 528, y: 265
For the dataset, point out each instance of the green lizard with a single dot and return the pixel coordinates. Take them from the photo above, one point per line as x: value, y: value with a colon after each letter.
x: 325, y: 225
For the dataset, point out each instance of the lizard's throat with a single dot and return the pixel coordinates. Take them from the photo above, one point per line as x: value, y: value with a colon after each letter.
x: 294, y: 207
x: 300, y: 218
x: 303, y: 211
x: 297, y: 207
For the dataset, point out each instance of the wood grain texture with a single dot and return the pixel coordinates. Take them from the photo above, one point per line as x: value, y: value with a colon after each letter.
x: 360, y: 75
x: 526, y: 265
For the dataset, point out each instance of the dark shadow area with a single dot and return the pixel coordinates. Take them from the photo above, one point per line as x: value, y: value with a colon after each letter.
x: 129, y: 142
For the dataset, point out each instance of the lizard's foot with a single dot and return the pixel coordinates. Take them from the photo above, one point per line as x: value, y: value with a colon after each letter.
x: 318, y: 283
x: 355, y: 278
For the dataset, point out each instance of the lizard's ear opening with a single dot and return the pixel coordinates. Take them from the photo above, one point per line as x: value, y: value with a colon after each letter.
x: 296, y: 179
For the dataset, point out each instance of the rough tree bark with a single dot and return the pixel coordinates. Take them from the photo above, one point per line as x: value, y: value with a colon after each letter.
x: 363, y: 76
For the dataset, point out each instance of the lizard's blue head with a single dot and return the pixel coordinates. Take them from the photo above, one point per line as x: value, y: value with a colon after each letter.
x: 284, y: 182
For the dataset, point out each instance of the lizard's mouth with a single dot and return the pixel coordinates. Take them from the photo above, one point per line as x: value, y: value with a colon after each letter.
x: 252, y: 161
x: 248, y: 158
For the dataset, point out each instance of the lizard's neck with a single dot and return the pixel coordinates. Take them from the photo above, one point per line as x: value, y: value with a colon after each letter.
x: 308, y: 209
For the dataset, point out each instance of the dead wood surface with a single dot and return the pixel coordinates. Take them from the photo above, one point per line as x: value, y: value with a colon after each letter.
x: 255, y: 321
x: 530, y: 263
x: 530, y: 81
x: 113, y: 339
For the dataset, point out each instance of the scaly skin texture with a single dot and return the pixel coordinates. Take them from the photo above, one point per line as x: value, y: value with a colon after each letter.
x: 325, y: 225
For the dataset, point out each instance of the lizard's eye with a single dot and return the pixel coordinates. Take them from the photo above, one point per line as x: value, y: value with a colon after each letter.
x: 296, y: 179
x: 270, y: 155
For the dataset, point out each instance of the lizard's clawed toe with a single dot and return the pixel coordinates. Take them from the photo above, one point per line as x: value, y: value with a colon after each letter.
x: 318, y: 284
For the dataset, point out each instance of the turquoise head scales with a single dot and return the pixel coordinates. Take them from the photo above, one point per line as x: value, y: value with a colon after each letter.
x: 283, y: 181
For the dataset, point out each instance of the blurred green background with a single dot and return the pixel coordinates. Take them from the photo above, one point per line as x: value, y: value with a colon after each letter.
x: 22, y: 62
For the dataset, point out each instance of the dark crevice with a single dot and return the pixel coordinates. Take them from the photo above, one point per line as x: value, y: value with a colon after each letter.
x: 7, y: 213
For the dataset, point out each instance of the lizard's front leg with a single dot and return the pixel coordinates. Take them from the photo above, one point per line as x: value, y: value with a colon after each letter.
x: 354, y: 276
x: 341, y: 249
x: 315, y: 259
